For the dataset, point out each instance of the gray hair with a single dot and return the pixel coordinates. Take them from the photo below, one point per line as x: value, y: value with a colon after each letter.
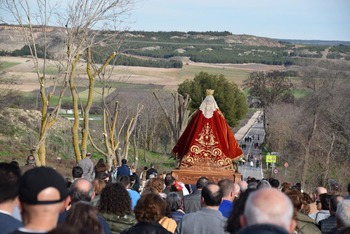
x: 174, y: 201
x: 263, y: 184
x: 258, y: 211
x: 343, y: 213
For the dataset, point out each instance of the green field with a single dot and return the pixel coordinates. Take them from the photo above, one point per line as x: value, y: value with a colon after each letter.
x: 4, y: 65
x: 232, y: 74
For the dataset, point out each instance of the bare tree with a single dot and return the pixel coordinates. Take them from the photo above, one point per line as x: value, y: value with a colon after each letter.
x: 312, y: 134
x: 269, y: 88
x: 27, y: 18
x: 181, y: 114
x: 82, y: 19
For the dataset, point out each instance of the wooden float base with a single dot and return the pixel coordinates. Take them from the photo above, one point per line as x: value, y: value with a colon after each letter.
x: 191, y: 177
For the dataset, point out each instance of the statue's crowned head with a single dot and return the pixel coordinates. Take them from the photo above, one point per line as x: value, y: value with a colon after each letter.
x: 210, y: 92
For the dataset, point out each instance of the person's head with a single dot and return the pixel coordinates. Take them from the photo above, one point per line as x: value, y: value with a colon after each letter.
x: 9, y: 182
x: 15, y: 163
x: 81, y: 190
x: 42, y: 194
x: 323, y: 202
x: 274, y: 183
x: 124, y: 161
x: 211, y: 195
x: 98, y: 185
x: 263, y: 184
x: 30, y: 160
x: 252, y: 185
x: 83, y: 215
x: 145, y: 168
x: 124, y: 180
x: 243, y: 185
x: 152, y: 165
x: 150, y: 208
x: 228, y: 189
x: 297, y: 199
x: 202, y: 182
x: 333, y: 203
x: 100, y: 161
x: 77, y: 172
x: 349, y: 188
x: 318, y: 191
x: 88, y: 154
x: 169, y: 180
x: 115, y: 199
x: 174, y: 201
x: 297, y: 186
x: 343, y: 214
x: 269, y: 206
x: 156, y: 183
x: 233, y: 224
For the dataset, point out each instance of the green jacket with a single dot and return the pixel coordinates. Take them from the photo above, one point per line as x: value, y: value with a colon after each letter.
x: 118, y: 223
x: 306, y: 225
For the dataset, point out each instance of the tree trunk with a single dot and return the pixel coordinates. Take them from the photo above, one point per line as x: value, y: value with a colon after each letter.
x: 136, y: 151
x: 307, y: 151
x: 75, y: 99
x: 328, y: 159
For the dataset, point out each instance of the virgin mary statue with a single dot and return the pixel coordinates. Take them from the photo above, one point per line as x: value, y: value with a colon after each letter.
x: 207, y: 142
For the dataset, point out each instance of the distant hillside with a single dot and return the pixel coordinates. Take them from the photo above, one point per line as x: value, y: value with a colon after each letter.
x: 314, y: 42
x: 172, y: 49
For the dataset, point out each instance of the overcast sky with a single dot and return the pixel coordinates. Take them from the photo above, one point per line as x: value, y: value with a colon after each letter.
x: 283, y: 19
x: 292, y: 19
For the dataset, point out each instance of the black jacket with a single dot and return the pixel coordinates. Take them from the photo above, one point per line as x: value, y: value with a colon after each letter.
x: 146, y: 228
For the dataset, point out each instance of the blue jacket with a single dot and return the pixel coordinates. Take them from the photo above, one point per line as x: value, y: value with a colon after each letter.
x: 8, y: 223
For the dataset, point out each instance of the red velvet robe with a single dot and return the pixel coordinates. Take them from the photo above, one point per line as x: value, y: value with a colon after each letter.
x: 207, y: 144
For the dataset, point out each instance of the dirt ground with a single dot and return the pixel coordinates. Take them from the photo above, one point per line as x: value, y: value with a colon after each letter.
x: 26, y: 78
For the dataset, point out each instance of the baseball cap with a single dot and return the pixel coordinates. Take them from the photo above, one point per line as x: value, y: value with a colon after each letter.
x: 36, y: 180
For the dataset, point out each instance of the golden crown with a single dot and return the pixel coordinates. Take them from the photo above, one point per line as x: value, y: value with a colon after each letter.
x: 210, y: 91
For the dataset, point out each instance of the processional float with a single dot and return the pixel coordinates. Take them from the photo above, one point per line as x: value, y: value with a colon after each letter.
x: 207, y: 147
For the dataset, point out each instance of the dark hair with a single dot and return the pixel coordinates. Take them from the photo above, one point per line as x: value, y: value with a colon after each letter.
x: 83, y: 215
x: 202, y: 182
x: 274, y: 183
x: 15, y: 163
x: 233, y: 224
x: 325, y: 201
x: 212, y: 197
x: 174, y: 201
x: 124, y: 180
x: 77, y: 194
x: 124, y: 161
x: 115, y: 199
x: 77, y: 172
x: 333, y: 202
x: 169, y: 179
x: 149, y: 208
x: 68, y: 229
x: 9, y: 181
x: 348, y: 187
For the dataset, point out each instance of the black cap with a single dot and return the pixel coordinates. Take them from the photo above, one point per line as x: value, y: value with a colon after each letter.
x: 36, y: 180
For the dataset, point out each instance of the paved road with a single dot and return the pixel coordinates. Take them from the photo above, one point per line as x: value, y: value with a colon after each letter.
x: 252, y: 153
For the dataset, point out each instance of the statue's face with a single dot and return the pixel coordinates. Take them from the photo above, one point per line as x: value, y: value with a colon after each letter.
x: 209, y: 105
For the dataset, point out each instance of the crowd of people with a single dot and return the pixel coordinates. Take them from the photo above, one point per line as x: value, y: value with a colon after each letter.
x: 97, y: 200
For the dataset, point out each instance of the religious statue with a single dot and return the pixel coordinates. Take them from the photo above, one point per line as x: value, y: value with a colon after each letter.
x: 208, y: 143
